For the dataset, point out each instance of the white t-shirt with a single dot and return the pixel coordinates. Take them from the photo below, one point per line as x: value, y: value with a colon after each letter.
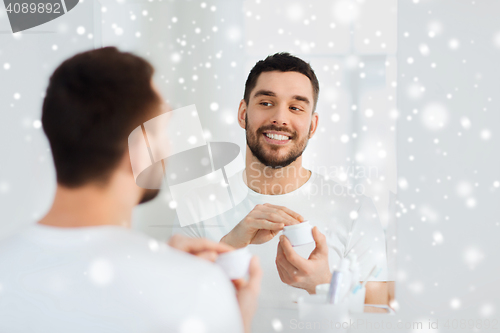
x: 350, y: 224
x: 109, y: 279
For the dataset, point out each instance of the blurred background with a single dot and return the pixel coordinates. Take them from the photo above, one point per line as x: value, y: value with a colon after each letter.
x: 407, y: 109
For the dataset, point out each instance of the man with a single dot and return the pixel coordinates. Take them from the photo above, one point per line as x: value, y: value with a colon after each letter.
x: 80, y: 269
x: 278, y: 114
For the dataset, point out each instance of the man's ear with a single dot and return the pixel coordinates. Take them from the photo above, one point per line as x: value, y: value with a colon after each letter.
x: 314, y: 124
x: 242, y: 111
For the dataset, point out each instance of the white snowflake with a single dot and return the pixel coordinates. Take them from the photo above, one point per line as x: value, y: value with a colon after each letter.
x: 454, y: 44
x: 485, y: 134
x: 424, y: 49
x: 435, y: 116
x: 345, y: 11
x: 455, y: 303
x: 473, y: 256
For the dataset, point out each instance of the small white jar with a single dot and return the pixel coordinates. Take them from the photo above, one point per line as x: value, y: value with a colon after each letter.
x: 299, y: 234
x: 235, y: 263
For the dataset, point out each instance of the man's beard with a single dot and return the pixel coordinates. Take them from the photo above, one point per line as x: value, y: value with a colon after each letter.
x: 272, y: 159
x: 149, y: 195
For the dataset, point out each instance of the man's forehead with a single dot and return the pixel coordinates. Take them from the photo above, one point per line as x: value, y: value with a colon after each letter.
x: 284, y: 84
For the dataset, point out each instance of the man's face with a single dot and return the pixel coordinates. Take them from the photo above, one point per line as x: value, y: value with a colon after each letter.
x: 278, y: 118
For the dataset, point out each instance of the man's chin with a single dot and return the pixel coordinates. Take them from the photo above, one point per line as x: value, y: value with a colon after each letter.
x: 276, y: 163
x: 149, y: 195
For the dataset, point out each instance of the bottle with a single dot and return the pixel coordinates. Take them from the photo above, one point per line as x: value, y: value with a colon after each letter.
x: 355, y: 271
x: 339, y: 282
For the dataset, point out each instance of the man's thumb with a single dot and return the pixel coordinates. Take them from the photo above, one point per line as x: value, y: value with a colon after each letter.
x: 320, y: 240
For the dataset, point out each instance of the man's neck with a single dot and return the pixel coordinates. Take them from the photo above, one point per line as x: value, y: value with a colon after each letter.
x: 89, y: 206
x: 266, y: 180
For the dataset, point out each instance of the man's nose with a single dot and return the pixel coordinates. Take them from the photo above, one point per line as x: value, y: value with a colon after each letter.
x: 280, y: 116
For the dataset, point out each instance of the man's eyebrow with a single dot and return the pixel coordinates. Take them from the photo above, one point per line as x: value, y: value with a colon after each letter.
x: 264, y: 93
x: 301, y: 98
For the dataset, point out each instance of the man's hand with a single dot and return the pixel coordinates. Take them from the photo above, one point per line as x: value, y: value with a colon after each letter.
x: 261, y: 225
x: 304, y: 273
x: 199, y: 247
x: 247, y: 293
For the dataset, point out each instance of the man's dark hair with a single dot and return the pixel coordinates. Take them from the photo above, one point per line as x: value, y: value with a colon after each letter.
x: 93, y: 101
x: 283, y: 62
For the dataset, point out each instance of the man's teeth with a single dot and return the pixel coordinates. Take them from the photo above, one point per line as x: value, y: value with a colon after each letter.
x: 277, y: 137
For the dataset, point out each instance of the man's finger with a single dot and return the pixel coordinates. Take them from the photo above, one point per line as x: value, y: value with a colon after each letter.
x: 290, y: 253
x: 282, y: 261
x: 274, y: 215
x: 279, y: 252
x: 267, y: 225
x: 279, y: 211
x: 293, y: 214
x: 176, y: 239
x: 290, y: 219
x: 239, y: 283
x: 195, y: 245
x: 320, y: 241
x: 283, y: 273
x: 207, y: 255
x: 255, y: 274
x: 290, y: 212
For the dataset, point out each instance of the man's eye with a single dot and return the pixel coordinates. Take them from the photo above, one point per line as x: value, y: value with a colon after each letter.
x: 294, y: 108
x: 265, y: 103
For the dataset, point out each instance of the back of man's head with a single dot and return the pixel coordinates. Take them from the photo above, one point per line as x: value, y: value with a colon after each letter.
x: 93, y: 101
